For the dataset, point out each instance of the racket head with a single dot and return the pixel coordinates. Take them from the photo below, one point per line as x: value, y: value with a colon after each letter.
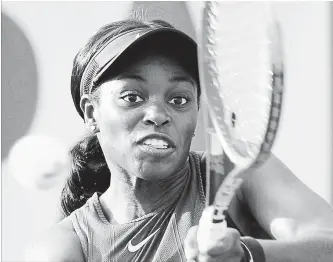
x: 241, y: 72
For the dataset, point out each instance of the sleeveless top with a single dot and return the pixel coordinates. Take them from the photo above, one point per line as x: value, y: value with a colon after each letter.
x: 155, y: 237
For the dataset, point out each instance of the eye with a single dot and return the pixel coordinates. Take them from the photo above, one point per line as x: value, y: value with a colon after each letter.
x: 179, y: 100
x: 132, y: 98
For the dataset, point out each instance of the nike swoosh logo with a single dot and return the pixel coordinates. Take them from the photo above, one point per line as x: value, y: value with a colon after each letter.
x: 135, y: 248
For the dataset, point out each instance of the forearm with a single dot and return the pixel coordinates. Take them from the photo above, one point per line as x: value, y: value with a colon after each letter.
x: 305, y: 249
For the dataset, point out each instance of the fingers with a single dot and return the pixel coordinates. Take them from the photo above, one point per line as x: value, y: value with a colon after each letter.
x: 229, y: 244
x: 228, y: 248
x: 205, y: 258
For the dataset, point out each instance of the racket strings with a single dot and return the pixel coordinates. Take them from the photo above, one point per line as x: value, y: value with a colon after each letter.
x: 240, y: 74
x: 212, y: 40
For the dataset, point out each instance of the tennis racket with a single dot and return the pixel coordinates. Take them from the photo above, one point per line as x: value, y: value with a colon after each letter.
x: 241, y: 72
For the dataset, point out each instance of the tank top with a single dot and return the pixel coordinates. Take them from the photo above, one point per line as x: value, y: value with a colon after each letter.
x: 155, y: 237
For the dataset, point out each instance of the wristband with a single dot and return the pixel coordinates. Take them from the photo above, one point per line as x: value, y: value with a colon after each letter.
x: 253, y: 250
x: 247, y: 254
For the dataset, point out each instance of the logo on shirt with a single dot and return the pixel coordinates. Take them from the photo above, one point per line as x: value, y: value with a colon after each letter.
x: 134, y: 248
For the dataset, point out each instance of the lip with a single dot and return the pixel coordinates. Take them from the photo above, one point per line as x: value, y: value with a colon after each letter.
x: 156, y: 152
x: 160, y: 136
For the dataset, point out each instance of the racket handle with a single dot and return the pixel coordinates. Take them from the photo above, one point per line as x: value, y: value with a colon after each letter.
x: 209, y: 232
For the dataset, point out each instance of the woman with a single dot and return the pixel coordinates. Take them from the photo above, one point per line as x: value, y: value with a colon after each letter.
x: 136, y: 192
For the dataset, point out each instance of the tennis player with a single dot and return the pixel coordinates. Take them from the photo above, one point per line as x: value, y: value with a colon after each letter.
x: 136, y: 192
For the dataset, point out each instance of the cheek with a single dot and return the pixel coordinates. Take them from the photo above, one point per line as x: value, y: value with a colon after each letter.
x: 115, y: 131
x: 187, y: 127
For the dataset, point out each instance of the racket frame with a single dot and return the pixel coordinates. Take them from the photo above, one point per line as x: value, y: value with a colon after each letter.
x: 208, y: 75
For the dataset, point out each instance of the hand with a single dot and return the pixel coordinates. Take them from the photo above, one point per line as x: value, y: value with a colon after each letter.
x: 226, y: 248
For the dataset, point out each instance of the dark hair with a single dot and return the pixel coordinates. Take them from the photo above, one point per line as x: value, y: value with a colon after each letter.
x: 89, y: 172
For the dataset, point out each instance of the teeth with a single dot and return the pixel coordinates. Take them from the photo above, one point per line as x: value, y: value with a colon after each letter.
x: 158, y: 143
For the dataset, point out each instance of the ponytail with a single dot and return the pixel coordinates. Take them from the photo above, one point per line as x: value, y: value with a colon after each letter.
x: 89, y: 174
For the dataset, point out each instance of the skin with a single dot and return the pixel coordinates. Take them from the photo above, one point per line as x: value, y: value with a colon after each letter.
x: 154, y: 95
x: 271, y: 192
x: 164, y: 101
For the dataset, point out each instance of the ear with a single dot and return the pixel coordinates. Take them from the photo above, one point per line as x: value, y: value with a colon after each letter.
x: 88, y: 108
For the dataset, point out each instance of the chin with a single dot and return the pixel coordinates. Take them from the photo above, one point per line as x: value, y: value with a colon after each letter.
x: 151, y: 167
x: 154, y: 172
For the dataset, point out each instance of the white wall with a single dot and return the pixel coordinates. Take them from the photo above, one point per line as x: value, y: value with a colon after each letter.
x: 57, y: 30
x: 305, y: 138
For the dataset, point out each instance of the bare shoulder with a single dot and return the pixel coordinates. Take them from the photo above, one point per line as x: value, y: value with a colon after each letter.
x: 59, y: 243
x: 227, y: 164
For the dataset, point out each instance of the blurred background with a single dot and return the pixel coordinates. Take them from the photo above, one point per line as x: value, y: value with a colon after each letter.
x: 39, y: 42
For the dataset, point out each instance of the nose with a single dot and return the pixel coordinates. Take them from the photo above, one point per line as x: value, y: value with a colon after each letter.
x: 156, y: 115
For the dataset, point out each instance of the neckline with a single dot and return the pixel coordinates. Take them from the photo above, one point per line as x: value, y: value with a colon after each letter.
x: 99, y: 210
x: 97, y: 204
x: 193, y: 158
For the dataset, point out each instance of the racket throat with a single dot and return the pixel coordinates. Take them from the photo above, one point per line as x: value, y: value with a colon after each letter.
x: 225, y: 194
x: 219, y: 214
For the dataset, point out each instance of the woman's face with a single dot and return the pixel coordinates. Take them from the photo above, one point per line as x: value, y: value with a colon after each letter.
x: 147, y: 117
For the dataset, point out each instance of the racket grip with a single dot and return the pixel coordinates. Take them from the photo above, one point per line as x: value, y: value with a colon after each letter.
x: 209, y: 232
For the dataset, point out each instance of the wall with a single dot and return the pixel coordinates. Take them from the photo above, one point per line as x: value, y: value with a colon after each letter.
x: 56, y: 30
x: 305, y: 138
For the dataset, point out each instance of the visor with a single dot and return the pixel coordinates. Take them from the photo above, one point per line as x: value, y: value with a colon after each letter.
x: 116, y: 47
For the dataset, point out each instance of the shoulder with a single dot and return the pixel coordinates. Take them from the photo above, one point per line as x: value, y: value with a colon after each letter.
x: 58, y: 243
x: 202, y: 156
x: 198, y: 159
x: 197, y: 155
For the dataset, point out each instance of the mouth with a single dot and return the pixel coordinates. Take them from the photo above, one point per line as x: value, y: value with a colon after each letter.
x: 157, y: 144
x: 157, y: 140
